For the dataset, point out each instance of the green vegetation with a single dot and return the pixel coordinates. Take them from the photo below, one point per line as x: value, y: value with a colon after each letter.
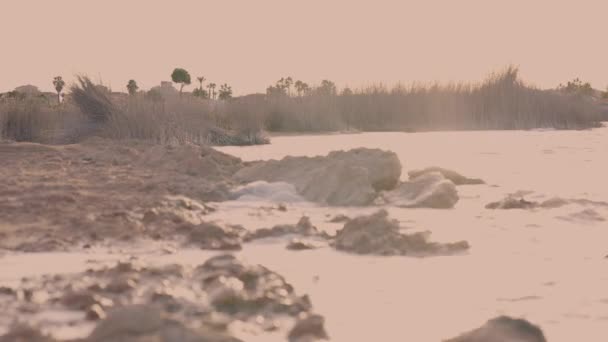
x: 225, y: 92
x: 132, y: 87
x: 182, y: 77
x: 58, y: 83
x: 502, y: 101
x: 576, y: 86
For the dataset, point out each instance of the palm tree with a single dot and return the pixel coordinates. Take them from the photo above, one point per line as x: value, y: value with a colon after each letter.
x: 201, y: 79
x: 288, y: 83
x: 59, y: 83
x: 225, y: 92
x: 132, y: 87
x: 301, y: 87
x: 212, y: 90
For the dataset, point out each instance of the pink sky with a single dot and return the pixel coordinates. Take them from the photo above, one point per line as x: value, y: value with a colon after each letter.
x: 250, y: 44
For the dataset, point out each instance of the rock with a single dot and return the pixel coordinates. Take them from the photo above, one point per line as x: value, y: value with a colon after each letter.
x: 175, y: 303
x: 82, y: 300
x: 348, y: 178
x: 453, y: 176
x: 248, y: 290
x: 25, y: 333
x: 300, y: 245
x: 209, y: 235
x: 340, y: 218
x: 146, y: 323
x: 511, y: 202
x: 304, y: 227
x: 377, y: 234
x: 263, y: 191
x: 587, y: 215
x: 503, y: 329
x: 311, y: 328
x: 95, y: 312
x: 120, y: 285
x: 429, y: 190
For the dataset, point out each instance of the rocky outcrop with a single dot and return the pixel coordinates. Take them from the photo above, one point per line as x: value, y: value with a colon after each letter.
x: 308, y: 329
x: 350, y: 178
x: 429, y: 190
x: 453, y: 176
x: 146, y: 323
x: 517, y: 201
x: 503, y: 329
x: 303, y: 228
x: 379, y: 235
x: 512, y: 202
x: 131, y: 301
x: 300, y: 245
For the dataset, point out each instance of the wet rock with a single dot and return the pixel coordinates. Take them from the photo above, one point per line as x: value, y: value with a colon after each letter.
x: 377, y: 234
x: 429, y: 190
x: 340, y: 218
x: 208, y: 235
x: 82, y: 300
x: 7, y: 291
x: 137, y: 302
x: 146, y: 323
x: 311, y: 328
x: 453, y: 176
x: 587, y: 215
x: 304, y: 227
x: 25, y: 333
x: 348, y: 178
x: 503, y: 329
x: 248, y: 290
x: 95, y: 312
x: 300, y: 245
x: 121, y: 285
x: 512, y: 202
x: 128, y: 322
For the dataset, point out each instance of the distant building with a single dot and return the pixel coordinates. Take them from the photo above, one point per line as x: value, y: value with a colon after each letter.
x: 165, y: 89
x: 28, y: 90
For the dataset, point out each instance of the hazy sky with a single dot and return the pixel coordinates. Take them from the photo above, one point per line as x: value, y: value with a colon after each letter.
x: 250, y: 44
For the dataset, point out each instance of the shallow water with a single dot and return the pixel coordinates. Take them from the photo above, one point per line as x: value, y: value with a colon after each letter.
x: 545, y: 265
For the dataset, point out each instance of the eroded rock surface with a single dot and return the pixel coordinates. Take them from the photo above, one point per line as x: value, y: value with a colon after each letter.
x: 303, y: 228
x: 453, y: 176
x: 503, y: 329
x: 512, y: 202
x: 133, y: 301
x: 62, y: 197
x: 350, y: 178
x: 429, y: 190
x: 377, y: 234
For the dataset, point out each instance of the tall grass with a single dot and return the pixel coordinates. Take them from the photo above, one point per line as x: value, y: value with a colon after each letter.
x: 90, y: 109
x: 502, y: 101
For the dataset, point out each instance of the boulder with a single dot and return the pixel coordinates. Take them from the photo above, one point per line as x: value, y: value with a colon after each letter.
x: 503, y: 329
x: 429, y: 190
x: 377, y: 234
x: 342, y: 178
x: 512, y: 202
